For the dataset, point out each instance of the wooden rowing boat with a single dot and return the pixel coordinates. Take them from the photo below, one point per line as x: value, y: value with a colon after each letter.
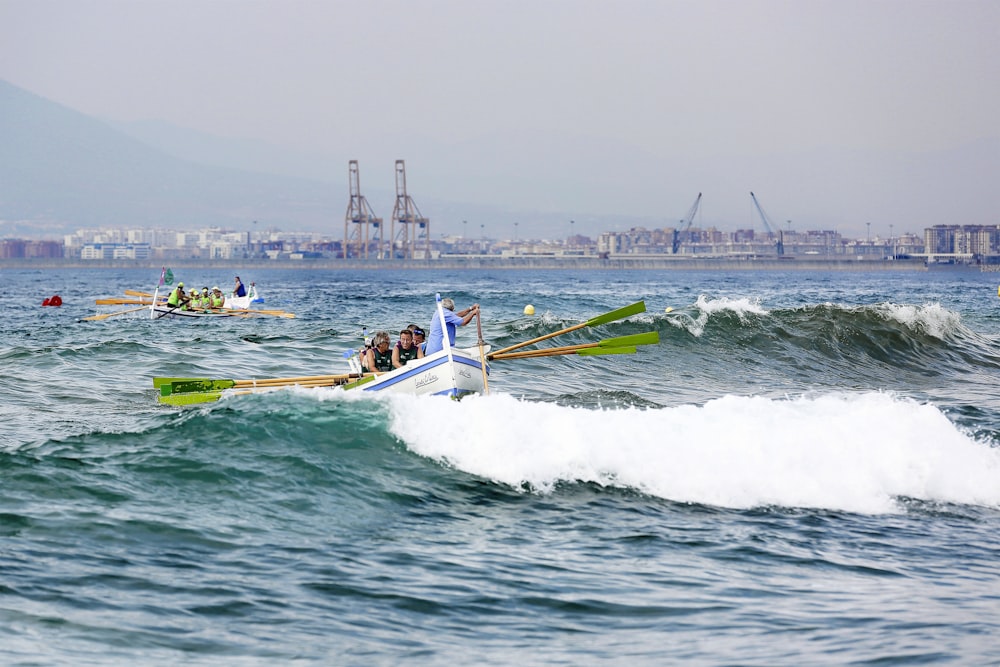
x: 454, y: 372
x: 441, y: 374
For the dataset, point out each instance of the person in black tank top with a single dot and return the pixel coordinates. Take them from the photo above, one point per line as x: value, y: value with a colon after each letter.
x: 405, y: 350
x: 378, y: 358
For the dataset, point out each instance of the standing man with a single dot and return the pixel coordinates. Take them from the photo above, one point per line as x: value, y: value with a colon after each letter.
x: 453, y: 320
x: 239, y: 289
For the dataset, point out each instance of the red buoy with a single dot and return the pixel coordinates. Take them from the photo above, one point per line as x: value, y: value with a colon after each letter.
x: 54, y: 300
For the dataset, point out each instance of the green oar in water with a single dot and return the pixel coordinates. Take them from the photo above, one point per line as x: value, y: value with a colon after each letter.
x: 190, y: 391
x: 169, y: 386
x: 587, y: 349
x: 614, y: 315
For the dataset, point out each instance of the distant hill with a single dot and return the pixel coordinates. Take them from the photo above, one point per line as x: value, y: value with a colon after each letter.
x: 63, y: 169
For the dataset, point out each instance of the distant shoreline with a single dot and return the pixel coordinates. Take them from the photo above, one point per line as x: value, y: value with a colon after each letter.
x: 505, y: 263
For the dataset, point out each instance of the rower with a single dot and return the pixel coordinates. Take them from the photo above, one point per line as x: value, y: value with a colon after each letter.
x: 452, y: 320
x: 218, y: 300
x: 378, y: 357
x: 405, y: 350
x: 177, y: 297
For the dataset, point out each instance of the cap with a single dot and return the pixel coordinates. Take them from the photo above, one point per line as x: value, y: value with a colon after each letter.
x: 215, y: 289
x: 180, y: 284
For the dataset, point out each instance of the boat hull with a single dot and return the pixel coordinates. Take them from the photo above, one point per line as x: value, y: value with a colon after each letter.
x: 169, y: 312
x: 436, y: 375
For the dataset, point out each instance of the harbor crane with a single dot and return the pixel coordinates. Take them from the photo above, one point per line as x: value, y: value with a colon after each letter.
x: 407, y: 215
x: 685, y: 225
x: 779, y: 244
x: 361, y: 226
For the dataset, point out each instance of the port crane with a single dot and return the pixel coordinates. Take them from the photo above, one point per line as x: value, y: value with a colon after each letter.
x: 412, y: 225
x: 779, y: 244
x: 362, y: 228
x: 685, y: 225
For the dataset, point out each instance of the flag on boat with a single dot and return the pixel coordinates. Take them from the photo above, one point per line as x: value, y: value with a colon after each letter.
x: 166, y: 277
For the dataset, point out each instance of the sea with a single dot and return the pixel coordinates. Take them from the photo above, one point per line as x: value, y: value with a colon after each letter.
x: 804, y: 471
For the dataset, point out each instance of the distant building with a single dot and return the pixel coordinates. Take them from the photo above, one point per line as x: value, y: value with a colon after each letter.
x: 976, y: 240
x: 22, y: 249
x: 106, y: 251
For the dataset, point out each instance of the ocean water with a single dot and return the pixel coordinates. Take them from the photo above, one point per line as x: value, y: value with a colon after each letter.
x: 806, y: 470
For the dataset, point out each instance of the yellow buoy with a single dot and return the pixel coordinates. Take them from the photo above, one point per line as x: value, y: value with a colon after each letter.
x: 669, y: 309
x: 529, y: 310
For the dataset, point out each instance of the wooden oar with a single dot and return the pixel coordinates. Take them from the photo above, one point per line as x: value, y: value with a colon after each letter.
x: 648, y: 338
x: 621, y: 313
x: 253, y: 311
x: 195, y: 397
x: 160, y: 381
x: 132, y: 292
x: 170, y: 386
x: 104, y: 316
x: 118, y: 301
x: 205, y: 391
x: 583, y: 352
x: 482, y: 352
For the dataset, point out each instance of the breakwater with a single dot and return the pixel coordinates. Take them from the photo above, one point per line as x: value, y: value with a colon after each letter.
x: 473, y: 262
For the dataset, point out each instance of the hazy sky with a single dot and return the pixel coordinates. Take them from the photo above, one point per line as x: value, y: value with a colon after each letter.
x: 580, y: 90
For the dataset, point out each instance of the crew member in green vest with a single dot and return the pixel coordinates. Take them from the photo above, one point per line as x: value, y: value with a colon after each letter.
x: 405, y: 350
x: 177, y: 297
x: 218, y: 299
x: 378, y: 358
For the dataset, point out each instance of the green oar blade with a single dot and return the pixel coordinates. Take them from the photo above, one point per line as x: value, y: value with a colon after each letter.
x: 648, y: 338
x: 358, y: 383
x: 594, y: 351
x: 192, y: 398
x: 159, y: 382
x: 621, y: 313
x: 195, y: 386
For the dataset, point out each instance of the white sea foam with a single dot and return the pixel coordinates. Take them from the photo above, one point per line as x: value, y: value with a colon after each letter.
x: 930, y: 318
x: 854, y: 452
x: 743, y: 308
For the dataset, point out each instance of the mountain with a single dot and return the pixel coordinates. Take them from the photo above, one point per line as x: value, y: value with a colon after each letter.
x: 60, y: 169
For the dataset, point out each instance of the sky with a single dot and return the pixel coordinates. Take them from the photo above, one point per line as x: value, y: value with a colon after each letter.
x: 835, y: 112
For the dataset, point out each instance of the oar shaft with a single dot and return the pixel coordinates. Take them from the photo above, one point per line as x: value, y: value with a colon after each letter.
x: 105, y: 316
x: 647, y: 338
x: 539, y: 339
x: 118, y: 301
x: 265, y: 382
x: 482, y: 352
x: 548, y: 352
x: 250, y: 312
x: 583, y: 352
x: 614, y: 315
